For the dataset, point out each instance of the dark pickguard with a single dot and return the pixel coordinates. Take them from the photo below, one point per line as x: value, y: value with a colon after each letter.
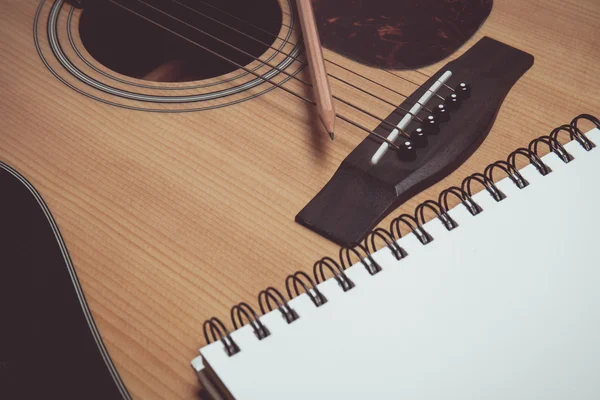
x: 399, y: 34
x: 359, y: 195
x: 49, y: 345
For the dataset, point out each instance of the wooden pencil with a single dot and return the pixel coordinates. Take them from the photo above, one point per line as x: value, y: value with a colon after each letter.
x: 318, y: 73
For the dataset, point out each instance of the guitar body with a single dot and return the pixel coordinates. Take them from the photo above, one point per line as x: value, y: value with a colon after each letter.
x: 172, y: 215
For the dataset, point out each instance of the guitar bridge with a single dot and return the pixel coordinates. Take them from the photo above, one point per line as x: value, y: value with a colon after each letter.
x: 374, y: 180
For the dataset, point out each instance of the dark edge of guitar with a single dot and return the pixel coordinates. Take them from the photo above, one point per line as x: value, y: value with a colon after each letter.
x: 360, y: 195
x: 51, y: 347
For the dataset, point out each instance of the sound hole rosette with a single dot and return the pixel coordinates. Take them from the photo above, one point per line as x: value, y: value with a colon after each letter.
x: 63, y: 54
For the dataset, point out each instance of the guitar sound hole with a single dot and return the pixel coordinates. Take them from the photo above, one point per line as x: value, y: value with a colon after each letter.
x: 132, y: 46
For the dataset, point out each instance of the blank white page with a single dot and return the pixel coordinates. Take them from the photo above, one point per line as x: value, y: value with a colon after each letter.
x: 505, y: 306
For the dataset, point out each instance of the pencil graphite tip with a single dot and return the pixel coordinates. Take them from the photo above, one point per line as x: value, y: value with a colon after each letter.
x: 331, y: 135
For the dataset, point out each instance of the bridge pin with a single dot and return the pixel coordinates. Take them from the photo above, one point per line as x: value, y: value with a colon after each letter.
x: 407, y: 151
x: 463, y: 90
x: 452, y: 102
x: 430, y: 125
x: 419, y: 137
x: 440, y: 112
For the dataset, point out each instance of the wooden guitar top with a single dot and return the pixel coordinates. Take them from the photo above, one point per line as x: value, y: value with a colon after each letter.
x: 171, y: 218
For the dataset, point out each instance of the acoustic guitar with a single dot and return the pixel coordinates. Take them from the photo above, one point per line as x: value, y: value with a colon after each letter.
x: 181, y: 173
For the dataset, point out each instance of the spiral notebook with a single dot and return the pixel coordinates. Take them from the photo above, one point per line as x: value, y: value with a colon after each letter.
x: 497, y: 298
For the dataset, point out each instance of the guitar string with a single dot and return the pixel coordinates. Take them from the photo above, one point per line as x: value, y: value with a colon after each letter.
x: 348, y: 103
x: 332, y: 62
x: 299, y: 96
x: 304, y: 63
x: 295, y: 29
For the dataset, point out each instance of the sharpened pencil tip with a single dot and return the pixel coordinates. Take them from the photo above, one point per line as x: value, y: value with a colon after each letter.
x: 331, y: 135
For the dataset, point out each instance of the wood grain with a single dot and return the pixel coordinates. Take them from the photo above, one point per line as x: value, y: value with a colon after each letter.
x: 165, y: 229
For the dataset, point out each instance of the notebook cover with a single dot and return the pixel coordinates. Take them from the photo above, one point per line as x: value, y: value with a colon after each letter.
x: 503, y: 306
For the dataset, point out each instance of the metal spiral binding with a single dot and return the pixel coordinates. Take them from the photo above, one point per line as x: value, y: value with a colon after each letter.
x: 336, y: 269
x: 389, y: 240
x: 315, y: 295
x: 363, y: 251
x: 244, y: 309
x: 264, y: 301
